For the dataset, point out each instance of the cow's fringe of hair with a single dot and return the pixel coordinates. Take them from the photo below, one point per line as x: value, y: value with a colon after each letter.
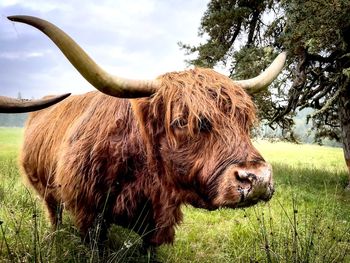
x: 196, y: 94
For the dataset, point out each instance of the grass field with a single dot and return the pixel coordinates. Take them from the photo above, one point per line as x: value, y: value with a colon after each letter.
x: 307, y: 220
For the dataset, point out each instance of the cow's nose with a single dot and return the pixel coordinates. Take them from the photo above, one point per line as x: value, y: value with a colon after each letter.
x: 256, y: 182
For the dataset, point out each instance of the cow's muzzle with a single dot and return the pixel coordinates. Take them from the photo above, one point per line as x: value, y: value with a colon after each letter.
x: 244, y: 185
x: 255, y: 184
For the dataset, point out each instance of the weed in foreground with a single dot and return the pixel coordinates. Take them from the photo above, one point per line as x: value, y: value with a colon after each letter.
x: 300, y: 235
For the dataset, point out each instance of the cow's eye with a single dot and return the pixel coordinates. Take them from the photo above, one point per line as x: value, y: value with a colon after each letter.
x: 204, y: 125
x: 179, y: 123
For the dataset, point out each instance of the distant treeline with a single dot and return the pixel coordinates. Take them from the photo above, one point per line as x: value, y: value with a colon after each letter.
x: 13, y: 120
x: 302, y: 132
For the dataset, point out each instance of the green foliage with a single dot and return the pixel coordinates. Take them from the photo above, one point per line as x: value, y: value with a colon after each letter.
x: 307, y: 220
x: 246, y: 35
x: 302, y: 132
x: 226, y: 22
x: 316, y: 26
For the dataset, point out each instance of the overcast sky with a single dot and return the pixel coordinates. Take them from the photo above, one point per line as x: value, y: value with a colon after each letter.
x: 133, y: 39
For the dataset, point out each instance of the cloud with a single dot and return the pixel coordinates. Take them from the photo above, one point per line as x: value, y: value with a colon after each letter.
x: 20, y: 55
x: 135, y: 39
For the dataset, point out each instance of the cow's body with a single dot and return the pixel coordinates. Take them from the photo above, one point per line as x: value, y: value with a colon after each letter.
x: 88, y: 162
x: 134, y: 162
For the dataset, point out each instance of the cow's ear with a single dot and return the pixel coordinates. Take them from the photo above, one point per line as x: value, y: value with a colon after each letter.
x: 141, y: 110
x: 146, y: 117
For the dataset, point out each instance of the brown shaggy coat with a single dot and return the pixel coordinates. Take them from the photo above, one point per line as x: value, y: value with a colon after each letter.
x: 134, y: 162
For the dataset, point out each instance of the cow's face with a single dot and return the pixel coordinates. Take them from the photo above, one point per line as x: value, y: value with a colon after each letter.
x: 203, y: 140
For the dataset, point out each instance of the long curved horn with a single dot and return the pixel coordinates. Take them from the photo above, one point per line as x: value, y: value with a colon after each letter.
x: 259, y: 83
x: 100, y: 79
x: 10, y: 105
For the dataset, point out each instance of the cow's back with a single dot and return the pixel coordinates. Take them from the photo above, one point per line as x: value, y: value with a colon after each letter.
x: 45, y: 131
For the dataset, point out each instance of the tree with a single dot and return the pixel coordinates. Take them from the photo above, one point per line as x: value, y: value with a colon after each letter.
x: 244, y: 36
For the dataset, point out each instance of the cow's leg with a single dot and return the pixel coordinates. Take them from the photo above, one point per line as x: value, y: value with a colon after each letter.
x: 153, y: 236
x: 54, y: 209
x: 151, y: 240
x: 93, y: 228
x: 99, y: 230
x: 157, y: 237
x: 164, y: 226
x: 146, y: 233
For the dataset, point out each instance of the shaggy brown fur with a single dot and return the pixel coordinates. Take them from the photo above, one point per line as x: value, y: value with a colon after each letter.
x: 134, y: 162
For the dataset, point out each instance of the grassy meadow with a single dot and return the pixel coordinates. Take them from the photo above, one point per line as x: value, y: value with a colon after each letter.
x: 307, y: 220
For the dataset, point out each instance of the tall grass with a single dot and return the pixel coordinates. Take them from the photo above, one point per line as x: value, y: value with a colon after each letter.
x: 307, y: 220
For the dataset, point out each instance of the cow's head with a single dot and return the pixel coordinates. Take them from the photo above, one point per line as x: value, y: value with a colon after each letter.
x: 201, y: 126
x: 197, y: 123
x: 11, y: 105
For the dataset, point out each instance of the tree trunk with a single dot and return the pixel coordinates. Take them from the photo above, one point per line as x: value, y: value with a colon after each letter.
x: 344, y: 116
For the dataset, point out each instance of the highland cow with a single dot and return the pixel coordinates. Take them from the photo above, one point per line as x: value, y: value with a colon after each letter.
x: 134, y: 156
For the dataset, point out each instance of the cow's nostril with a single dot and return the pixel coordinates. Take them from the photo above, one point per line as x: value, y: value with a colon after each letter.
x: 252, y: 177
x: 244, y: 176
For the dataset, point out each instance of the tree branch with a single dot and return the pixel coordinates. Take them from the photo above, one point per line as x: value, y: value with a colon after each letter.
x: 327, y: 105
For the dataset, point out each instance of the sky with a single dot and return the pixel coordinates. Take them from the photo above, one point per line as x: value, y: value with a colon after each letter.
x: 133, y: 39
